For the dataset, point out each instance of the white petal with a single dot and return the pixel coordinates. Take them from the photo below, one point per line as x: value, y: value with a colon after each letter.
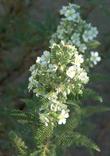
x: 38, y: 60
x: 64, y: 121
x: 63, y: 112
x: 66, y: 115
x: 96, y: 54
x: 99, y: 59
x: 60, y: 122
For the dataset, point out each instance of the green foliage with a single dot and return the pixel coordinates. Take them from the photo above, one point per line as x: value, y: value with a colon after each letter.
x: 18, y: 143
x: 78, y: 140
x: 18, y: 115
x: 91, y: 94
x: 100, y: 77
x: 43, y: 134
x: 47, y: 139
x: 21, y: 34
x: 20, y: 30
x: 90, y: 110
x: 45, y: 28
x: 94, y: 44
x: 68, y: 134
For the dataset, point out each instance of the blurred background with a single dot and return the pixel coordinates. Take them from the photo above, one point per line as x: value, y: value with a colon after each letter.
x: 25, y: 29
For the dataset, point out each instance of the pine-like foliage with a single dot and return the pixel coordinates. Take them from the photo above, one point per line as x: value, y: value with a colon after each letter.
x: 19, y: 144
x: 49, y: 140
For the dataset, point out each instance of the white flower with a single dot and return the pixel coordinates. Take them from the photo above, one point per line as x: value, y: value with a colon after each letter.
x: 68, y: 7
x: 54, y: 107
x: 82, y: 47
x: 60, y: 88
x: 70, y: 12
x: 62, y: 117
x: 46, y: 54
x: 32, y: 68
x: 32, y: 83
x: 44, y: 59
x: 60, y: 32
x: 95, y: 58
x: 71, y: 71
x: 75, y: 38
x: 83, y: 76
x: 38, y: 60
x: 52, y: 96
x: 63, y: 10
x: 44, y: 119
x: 90, y: 34
x: 52, y: 68
x: 34, y: 73
x: 78, y: 60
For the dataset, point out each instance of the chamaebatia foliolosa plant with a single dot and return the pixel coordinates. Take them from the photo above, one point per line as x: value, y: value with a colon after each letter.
x: 59, y: 81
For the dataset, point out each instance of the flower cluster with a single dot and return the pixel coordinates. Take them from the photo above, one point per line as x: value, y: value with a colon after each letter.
x: 61, y: 73
x: 74, y: 30
x: 71, y: 12
x: 56, y: 75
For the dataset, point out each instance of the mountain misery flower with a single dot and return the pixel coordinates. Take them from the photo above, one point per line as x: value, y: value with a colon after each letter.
x: 71, y: 71
x: 52, y: 68
x: 83, y: 76
x: 44, y: 59
x: 62, y: 117
x: 95, y: 58
x: 78, y: 60
x: 73, y: 30
x: 90, y: 34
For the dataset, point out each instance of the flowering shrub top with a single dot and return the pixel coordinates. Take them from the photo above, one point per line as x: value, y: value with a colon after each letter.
x: 56, y: 75
x: 63, y: 70
x: 74, y: 30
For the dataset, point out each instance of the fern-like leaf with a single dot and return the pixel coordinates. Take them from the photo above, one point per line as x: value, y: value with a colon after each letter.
x: 43, y: 133
x: 90, y: 110
x: 91, y: 94
x: 77, y: 139
x: 18, y: 143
